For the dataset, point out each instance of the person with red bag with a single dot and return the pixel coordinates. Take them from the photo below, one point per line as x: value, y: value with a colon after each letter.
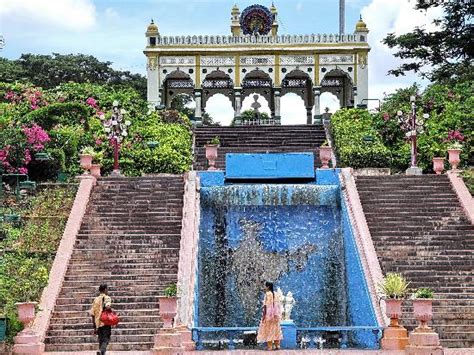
x: 102, y: 303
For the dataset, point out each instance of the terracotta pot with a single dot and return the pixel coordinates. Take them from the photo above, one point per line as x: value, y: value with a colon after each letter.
x: 438, y: 165
x: 454, y: 158
x: 325, y: 155
x: 393, y: 310
x: 86, y: 161
x: 95, y: 170
x: 168, y: 310
x: 26, y: 312
x: 211, y: 155
x: 423, y: 311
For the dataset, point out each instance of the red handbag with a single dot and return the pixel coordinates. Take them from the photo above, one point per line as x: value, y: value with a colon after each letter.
x: 109, y: 317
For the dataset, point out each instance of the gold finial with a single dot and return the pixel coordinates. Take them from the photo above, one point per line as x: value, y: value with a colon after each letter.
x: 152, y: 29
x: 361, y: 26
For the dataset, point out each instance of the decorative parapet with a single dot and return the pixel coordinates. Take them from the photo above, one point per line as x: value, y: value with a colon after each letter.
x: 237, y: 40
x: 365, y: 245
x: 188, y: 250
x: 63, y: 255
x: 464, y: 196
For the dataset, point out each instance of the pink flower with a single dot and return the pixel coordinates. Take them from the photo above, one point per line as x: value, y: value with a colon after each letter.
x: 27, y: 156
x: 36, y: 136
x: 10, y: 95
x: 98, y: 141
x: 92, y: 102
x: 23, y: 170
x: 455, y: 135
x: 386, y: 116
x: 450, y: 94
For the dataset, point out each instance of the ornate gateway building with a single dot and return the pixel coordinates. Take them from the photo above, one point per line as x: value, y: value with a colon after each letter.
x: 254, y: 58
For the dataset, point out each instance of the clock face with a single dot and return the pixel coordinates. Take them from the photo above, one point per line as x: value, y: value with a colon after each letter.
x: 256, y: 19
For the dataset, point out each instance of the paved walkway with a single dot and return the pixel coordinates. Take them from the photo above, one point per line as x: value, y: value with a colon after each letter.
x: 281, y: 352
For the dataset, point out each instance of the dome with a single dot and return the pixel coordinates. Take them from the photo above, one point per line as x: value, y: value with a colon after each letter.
x: 273, y: 9
x: 152, y: 29
x: 361, y: 26
x: 235, y: 9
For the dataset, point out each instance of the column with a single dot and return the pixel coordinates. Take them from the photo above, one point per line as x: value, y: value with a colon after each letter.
x: 277, y: 96
x: 309, y: 114
x: 198, y: 111
x: 153, y: 83
x: 318, y: 119
x: 354, y: 92
x: 238, y: 106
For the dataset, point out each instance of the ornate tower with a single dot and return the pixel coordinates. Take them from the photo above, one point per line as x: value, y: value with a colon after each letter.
x: 152, y: 33
x: 274, y: 12
x: 235, y: 24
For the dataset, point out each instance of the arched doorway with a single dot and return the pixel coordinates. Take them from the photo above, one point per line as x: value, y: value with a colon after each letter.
x: 293, y: 110
x: 177, y: 83
x: 219, y: 108
x: 339, y: 83
x: 329, y: 102
x: 184, y: 103
x: 298, y: 82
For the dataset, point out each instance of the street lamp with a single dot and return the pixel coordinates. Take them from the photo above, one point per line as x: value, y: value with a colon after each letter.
x: 116, y: 128
x: 412, y: 127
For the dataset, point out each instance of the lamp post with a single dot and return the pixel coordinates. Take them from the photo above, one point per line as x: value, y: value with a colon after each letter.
x: 412, y: 127
x: 116, y: 128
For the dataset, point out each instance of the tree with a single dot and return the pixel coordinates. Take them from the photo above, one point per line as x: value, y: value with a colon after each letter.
x: 49, y: 71
x: 443, y: 55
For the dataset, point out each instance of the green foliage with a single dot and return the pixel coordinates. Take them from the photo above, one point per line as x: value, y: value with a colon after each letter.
x: 69, y: 113
x: 423, y: 292
x: 446, y: 51
x: 393, y: 286
x: 468, y: 177
x: 88, y: 151
x: 250, y: 115
x: 28, y: 249
x: 171, y: 291
x: 49, y: 71
x: 357, y: 142
x: 214, y: 141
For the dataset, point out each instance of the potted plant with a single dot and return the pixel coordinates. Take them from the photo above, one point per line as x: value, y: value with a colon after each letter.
x: 423, y: 306
x: 211, y: 152
x: 393, y: 288
x: 438, y: 165
x: 96, y: 164
x: 169, y: 305
x: 325, y: 154
x: 86, y: 158
x: 454, y: 151
x: 28, y: 291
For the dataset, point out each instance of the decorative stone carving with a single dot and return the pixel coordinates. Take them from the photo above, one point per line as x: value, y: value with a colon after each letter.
x: 296, y: 59
x: 260, y: 60
x: 362, y: 60
x: 336, y: 59
x: 217, y: 61
x: 173, y: 61
x: 152, y: 63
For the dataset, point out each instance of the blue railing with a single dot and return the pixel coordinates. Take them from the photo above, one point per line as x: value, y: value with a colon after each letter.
x: 339, y: 337
x: 312, y: 337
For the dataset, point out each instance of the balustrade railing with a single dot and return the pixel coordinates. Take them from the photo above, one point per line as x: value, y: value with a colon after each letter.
x: 307, y: 338
x: 236, y: 40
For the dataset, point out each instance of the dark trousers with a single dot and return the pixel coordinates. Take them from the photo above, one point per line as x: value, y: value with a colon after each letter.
x: 104, y: 334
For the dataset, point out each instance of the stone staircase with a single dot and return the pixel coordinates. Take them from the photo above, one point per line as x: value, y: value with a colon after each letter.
x: 419, y: 229
x: 257, y: 139
x: 129, y: 239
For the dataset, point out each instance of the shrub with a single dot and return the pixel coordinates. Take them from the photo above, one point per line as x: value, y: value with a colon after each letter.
x: 68, y: 113
x: 423, y: 292
x: 393, y: 286
x: 357, y: 142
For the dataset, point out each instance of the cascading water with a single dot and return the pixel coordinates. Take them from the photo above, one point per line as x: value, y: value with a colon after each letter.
x: 289, y: 234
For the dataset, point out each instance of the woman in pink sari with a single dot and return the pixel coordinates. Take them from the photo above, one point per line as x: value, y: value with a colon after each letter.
x: 269, y: 330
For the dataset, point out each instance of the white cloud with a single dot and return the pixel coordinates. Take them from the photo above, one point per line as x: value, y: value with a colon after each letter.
x: 111, y: 15
x: 66, y: 14
x: 383, y: 17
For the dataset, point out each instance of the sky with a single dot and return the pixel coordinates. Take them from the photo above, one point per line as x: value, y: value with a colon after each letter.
x: 113, y: 30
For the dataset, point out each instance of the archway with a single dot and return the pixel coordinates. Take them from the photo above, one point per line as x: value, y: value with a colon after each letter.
x: 298, y: 82
x: 217, y: 82
x: 220, y: 109
x: 258, y: 82
x: 184, y: 103
x: 177, y: 83
x: 293, y: 110
x: 329, y: 101
x: 339, y: 83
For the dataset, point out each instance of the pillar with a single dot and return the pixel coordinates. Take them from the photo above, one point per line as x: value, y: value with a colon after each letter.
x: 317, y: 105
x: 153, y: 83
x: 354, y: 91
x: 277, y: 97
x: 309, y: 114
x: 198, y: 111
x: 238, y: 106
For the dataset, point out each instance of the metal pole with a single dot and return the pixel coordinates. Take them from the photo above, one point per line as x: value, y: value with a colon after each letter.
x: 342, y: 16
x: 414, y: 134
x: 116, y: 156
